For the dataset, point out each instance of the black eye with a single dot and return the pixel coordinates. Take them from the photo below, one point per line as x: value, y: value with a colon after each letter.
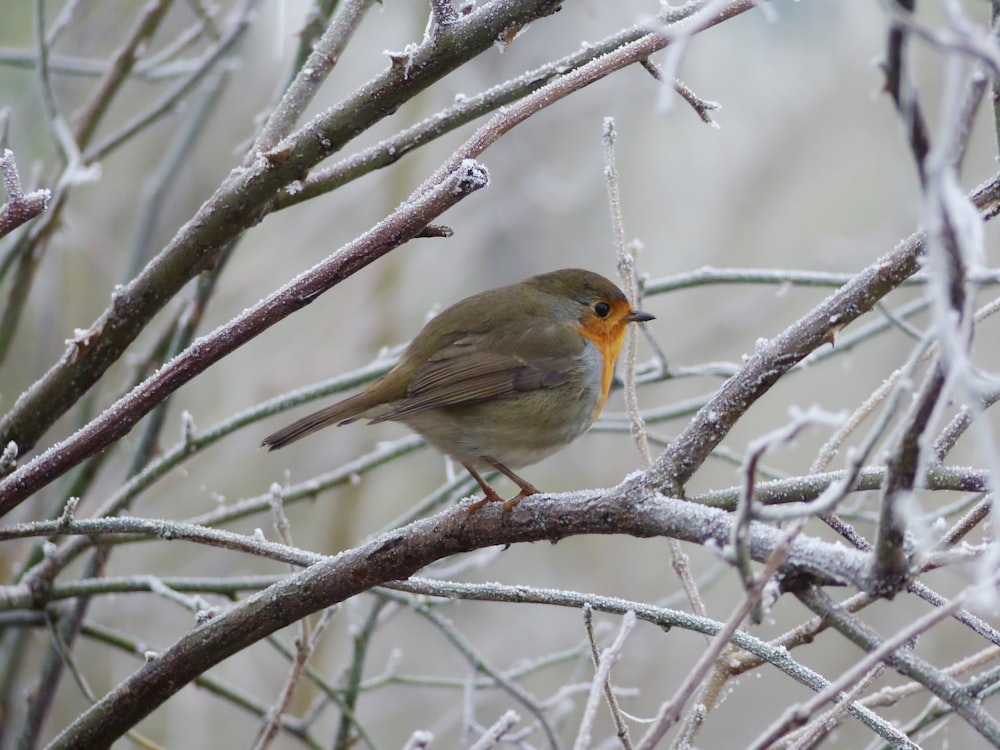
x: 602, y: 309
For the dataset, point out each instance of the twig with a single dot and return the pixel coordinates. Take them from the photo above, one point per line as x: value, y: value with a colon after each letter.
x: 669, y: 712
x: 240, y: 24
x: 162, y: 179
x: 442, y: 14
x: 603, y: 662
x: 710, y: 275
x: 20, y: 207
x: 41, y: 574
x: 890, y: 652
x: 492, y: 736
x: 121, y: 64
x: 701, y: 107
x: 901, y: 88
x: 969, y: 521
x: 477, y: 661
x: 304, y: 644
x: 239, y: 203
x: 466, y: 109
x: 66, y: 631
x: 823, y: 724
x: 310, y: 77
x: 118, y: 419
x: 627, y: 273
x: 775, y: 357
x: 398, y: 554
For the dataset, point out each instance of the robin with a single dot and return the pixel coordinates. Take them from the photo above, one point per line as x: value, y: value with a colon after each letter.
x: 501, y: 379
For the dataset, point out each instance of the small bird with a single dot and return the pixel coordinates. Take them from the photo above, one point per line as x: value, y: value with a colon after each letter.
x: 501, y: 379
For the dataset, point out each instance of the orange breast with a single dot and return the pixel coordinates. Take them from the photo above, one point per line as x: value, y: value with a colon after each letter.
x: 608, y: 334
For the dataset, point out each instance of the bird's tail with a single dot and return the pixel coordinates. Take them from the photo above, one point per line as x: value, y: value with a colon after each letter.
x: 342, y: 412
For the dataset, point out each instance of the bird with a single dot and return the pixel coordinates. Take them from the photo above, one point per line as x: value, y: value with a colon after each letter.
x: 501, y: 379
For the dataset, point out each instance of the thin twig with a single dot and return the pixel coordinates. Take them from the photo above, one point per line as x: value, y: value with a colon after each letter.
x: 701, y: 107
x: 310, y: 77
x: 20, y: 207
x: 116, y: 421
x: 627, y: 273
x: 669, y: 712
x: 602, y: 679
x: 621, y: 728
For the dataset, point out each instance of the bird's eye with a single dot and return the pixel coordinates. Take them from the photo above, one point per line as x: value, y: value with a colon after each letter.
x: 602, y: 309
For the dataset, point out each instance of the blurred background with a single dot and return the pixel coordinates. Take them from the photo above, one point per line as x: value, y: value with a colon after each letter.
x: 807, y: 169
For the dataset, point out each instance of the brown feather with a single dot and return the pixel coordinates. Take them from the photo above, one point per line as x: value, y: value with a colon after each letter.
x: 497, y: 346
x: 463, y: 373
x: 342, y: 412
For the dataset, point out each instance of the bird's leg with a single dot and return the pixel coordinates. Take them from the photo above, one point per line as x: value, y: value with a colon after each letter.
x: 491, y: 495
x: 527, y: 488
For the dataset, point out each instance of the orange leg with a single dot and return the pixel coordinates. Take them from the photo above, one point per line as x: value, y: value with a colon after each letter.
x: 491, y: 495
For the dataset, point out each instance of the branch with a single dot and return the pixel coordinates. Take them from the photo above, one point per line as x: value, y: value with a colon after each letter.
x: 398, y: 554
x: 241, y: 201
x: 774, y: 358
x: 20, y: 207
x: 403, y: 224
x: 901, y: 89
x: 311, y: 75
x: 895, y: 653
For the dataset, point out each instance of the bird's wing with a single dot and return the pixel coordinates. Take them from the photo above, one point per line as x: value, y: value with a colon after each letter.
x: 466, y: 372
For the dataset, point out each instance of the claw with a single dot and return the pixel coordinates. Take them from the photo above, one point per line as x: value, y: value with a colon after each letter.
x: 490, y: 494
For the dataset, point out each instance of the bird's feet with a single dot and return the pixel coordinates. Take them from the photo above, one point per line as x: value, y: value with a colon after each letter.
x: 490, y: 495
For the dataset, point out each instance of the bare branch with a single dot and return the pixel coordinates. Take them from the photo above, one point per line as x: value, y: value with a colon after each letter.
x: 20, y: 207
x: 404, y: 224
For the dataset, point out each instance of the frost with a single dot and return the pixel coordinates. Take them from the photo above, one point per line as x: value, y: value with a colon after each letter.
x: 205, y: 615
x: 81, y: 337
x: 258, y: 534
x: 475, y: 176
x: 760, y: 345
x: 10, y: 452
x: 294, y: 188
x: 410, y: 50
x: 80, y: 175
x: 354, y: 478
x: 325, y: 142
x: 984, y: 597
x: 420, y: 739
x: 633, y: 476
x: 187, y: 428
x: 406, y: 56
x: 150, y: 655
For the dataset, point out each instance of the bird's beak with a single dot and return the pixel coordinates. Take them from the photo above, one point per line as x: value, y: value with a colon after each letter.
x: 638, y: 316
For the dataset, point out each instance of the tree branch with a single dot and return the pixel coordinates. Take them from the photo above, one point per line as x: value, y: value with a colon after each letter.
x: 405, y: 223
x: 399, y: 553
